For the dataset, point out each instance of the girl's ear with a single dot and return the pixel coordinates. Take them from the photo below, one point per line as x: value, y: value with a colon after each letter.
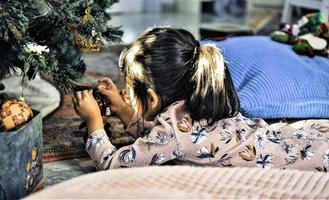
x: 154, y: 100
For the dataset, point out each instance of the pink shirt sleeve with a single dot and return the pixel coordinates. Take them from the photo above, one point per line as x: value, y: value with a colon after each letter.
x: 154, y: 148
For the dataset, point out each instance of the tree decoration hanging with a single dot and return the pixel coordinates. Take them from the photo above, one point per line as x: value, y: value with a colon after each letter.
x: 14, y: 113
x: 48, y: 36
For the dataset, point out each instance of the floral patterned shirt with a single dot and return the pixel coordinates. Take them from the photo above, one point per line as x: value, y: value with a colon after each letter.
x: 236, y: 141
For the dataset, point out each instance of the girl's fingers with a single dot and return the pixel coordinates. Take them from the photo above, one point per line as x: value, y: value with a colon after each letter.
x: 102, y: 89
x: 91, y: 95
x: 103, y: 79
x: 78, y: 96
x: 74, y: 101
x: 75, y: 104
x: 90, y: 92
x: 107, y: 81
x: 85, y: 93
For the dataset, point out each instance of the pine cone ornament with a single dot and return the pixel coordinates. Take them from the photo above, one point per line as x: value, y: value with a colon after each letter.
x: 14, y: 113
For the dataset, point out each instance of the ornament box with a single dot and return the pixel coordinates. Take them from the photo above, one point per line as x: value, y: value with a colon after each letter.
x: 21, y: 159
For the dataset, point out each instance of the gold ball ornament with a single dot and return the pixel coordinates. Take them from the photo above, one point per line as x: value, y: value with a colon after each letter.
x: 14, y: 113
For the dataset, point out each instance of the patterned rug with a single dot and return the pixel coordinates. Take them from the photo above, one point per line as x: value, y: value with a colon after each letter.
x: 62, y: 136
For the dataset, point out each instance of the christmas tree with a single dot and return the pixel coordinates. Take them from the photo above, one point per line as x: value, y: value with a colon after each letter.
x: 48, y: 36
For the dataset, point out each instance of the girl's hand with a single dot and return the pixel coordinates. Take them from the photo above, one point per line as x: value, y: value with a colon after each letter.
x: 108, y: 88
x: 115, y: 99
x: 87, y: 108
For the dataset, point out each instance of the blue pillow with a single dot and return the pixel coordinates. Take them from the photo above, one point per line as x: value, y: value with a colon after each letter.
x: 274, y: 82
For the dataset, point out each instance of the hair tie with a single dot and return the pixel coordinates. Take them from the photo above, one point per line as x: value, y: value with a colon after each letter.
x: 195, y: 54
x: 195, y: 51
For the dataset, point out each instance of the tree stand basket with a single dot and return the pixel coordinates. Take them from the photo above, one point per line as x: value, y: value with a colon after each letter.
x: 21, y: 153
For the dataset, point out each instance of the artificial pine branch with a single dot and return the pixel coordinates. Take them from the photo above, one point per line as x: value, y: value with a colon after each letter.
x: 48, y: 36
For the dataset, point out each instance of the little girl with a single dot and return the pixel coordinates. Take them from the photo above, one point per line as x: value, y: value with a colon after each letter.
x: 184, y: 109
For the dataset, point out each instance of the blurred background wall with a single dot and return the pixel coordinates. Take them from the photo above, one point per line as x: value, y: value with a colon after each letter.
x: 193, y: 15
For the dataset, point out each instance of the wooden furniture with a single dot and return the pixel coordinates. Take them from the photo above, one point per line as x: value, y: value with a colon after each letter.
x: 221, y: 31
x: 256, y: 4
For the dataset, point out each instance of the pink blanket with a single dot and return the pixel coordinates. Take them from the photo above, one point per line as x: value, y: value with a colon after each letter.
x: 193, y: 182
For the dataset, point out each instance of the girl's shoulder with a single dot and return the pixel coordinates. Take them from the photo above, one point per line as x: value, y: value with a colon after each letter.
x: 174, y: 113
x: 176, y: 107
x: 177, y: 104
x: 250, y: 122
x: 177, y: 112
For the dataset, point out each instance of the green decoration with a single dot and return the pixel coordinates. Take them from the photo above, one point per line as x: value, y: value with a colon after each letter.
x: 303, y: 31
x: 302, y: 47
x: 280, y: 36
x: 310, y: 36
x: 48, y: 36
x: 315, y: 19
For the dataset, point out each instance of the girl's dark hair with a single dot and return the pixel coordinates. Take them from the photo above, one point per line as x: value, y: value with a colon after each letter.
x: 173, y: 63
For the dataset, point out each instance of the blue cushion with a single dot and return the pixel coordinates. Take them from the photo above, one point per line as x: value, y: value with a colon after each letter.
x: 274, y: 82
